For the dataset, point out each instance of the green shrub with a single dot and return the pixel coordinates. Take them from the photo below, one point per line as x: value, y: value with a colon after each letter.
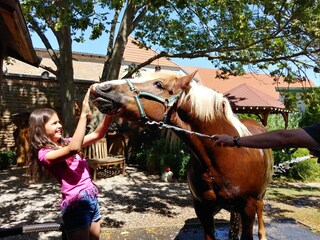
x: 301, y: 152
x: 308, y: 171
x: 7, y: 159
x: 311, y: 114
x: 281, y: 156
x: 155, y: 156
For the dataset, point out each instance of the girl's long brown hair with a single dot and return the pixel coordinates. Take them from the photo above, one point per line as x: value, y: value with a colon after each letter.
x: 38, y: 139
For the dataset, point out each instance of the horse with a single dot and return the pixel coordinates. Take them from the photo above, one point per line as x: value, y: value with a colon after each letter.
x: 228, y: 178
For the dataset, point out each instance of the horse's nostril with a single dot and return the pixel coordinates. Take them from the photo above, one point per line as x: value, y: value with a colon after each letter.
x: 103, y: 89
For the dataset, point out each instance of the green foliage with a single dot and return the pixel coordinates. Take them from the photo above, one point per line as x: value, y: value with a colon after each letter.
x: 155, y: 156
x: 301, y: 152
x: 264, y: 34
x: 280, y: 156
x: 192, y: 29
x: 273, y: 36
x: 277, y: 122
x: 312, y: 111
x: 308, y: 170
x: 77, y: 14
x: 250, y: 116
x: 290, y: 101
x: 7, y: 159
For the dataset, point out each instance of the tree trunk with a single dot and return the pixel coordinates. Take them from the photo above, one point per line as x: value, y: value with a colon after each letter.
x: 66, y: 83
x: 112, y: 65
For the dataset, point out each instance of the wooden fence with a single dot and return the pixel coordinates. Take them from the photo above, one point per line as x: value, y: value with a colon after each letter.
x: 20, y: 95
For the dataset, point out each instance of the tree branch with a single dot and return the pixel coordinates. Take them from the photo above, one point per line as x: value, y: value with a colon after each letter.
x: 207, y: 55
x: 44, y: 39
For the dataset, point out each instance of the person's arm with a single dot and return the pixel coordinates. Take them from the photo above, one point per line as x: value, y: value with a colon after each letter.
x: 98, y: 133
x: 78, y: 136
x: 272, y: 139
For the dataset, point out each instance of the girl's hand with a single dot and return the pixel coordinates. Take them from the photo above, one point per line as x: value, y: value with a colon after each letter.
x: 86, y: 111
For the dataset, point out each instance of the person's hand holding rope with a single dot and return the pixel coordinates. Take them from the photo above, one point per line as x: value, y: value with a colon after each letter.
x: 224, y: 140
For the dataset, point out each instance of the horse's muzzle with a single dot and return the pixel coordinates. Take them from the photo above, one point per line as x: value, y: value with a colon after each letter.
x: 105, y: 101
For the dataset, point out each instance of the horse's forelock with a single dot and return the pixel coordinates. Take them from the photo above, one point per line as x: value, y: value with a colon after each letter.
x: 153, y: 76
x: 116, y: 82
x: 208, y: 105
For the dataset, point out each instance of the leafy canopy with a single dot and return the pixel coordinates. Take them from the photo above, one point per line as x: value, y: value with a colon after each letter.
x: 281, y: 37
x: 79, y: 15
x: 264, y: 35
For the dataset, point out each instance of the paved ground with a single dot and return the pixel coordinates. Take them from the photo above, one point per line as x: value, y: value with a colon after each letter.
x: 276, y: 230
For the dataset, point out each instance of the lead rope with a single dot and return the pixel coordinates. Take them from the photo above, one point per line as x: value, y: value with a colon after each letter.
x: 211, y: 171
x: 164, y: 125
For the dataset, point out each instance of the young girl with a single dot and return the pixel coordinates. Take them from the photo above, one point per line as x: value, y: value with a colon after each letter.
x: 60, y: 157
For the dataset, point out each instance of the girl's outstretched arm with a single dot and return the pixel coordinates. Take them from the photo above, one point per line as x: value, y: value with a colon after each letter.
x: 78, y: 136
x: 99, y: 132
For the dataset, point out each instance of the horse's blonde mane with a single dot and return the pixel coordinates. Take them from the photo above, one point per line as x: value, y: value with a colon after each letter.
x: 208, y: 105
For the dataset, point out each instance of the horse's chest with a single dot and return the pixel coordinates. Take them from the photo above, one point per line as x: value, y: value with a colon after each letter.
x: 206, y: 187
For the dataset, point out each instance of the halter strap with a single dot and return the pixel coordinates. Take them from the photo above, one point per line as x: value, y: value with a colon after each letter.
x: 167, y: 102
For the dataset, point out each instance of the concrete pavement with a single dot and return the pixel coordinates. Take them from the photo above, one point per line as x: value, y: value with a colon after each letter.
x: 284, y: 229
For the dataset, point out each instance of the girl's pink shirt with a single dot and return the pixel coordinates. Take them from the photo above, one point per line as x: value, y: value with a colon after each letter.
x: 72, y: 173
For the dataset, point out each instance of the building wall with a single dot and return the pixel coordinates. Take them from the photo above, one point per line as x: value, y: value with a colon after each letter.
x: 21, y: 95
x: 85, y: 66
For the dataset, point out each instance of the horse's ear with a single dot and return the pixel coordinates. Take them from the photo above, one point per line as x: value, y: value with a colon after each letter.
x: 184, y: 82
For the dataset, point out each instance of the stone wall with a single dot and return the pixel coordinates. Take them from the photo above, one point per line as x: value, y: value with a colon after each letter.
x: 20, y: 95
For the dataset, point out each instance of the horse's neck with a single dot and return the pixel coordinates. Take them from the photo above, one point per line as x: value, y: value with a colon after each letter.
x: 217, y: 126
x: 200, y: 145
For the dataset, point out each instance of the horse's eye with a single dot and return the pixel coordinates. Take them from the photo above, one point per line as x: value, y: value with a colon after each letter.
x: 158, y: 85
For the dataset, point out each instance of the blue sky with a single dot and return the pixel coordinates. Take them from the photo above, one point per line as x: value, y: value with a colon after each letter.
x: 99, y: 47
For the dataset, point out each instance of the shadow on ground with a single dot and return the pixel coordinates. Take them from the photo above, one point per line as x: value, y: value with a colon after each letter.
x: 134, y: 206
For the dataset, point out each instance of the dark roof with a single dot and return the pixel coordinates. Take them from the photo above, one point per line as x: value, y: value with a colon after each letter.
x: 13, y: 27
x: 244, y: 97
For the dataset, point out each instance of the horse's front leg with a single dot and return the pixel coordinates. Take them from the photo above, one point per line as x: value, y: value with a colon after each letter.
x: 248, y: 214
x: 205, y: 215
x: 261, y: 229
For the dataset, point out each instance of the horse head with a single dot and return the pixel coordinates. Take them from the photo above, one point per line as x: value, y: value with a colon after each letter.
x: 149, y: 97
